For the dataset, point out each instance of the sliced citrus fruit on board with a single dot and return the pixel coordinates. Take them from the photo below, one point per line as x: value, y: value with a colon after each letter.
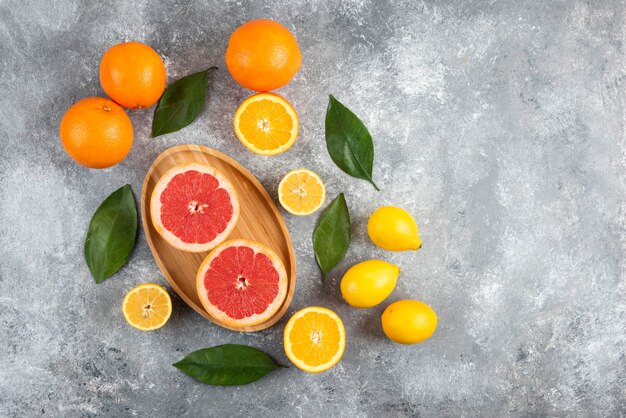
x: 147, y: 307
x: 301, y: 192
x: 266, y: 124
x: 242, y: 283
x: 194, y: 207
x: 315, y: 339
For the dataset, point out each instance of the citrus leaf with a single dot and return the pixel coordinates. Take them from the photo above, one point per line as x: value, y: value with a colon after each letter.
x: 227, y: 365
x: 331, y: 237
x: 349, y: 142
x: 111, y: 234
x: 180, y: 103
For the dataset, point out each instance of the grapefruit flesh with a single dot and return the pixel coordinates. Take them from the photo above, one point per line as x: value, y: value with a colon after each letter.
x: 194, y: 207
x: 242, y: 283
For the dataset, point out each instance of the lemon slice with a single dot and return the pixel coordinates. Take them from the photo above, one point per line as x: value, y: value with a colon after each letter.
x: 266, y: 124
x: 315, y: 339
x: 301, y: 192
x: 147, y: 307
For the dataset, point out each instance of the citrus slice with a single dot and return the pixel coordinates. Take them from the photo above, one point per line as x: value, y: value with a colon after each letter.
x: 301, y: 192
x: 194, y: 207
x: 242, y: 283
x: 315, y: 339
x: 266, y: 124
x: 147, y: 306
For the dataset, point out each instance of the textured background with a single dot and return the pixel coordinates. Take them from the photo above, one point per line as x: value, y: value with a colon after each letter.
x: 500, y: 125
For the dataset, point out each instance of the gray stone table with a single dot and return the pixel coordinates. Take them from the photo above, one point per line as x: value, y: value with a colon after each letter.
x: 499, y: 124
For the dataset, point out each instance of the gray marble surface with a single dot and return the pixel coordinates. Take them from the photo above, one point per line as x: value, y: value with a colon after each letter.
x: 499, y: 124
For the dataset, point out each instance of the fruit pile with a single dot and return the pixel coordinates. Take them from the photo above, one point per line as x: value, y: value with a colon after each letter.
x: 194, y: 207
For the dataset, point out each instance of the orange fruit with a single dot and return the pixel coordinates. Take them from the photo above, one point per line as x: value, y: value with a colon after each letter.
x: 301, y: 192
x: 314, y: 339
x: 133, y: 75
x: 194, y: 207
x: 263, y: 55
x: 242, y: 283
x: 96, y: 132
x: 266, y: 124
x: 147, y: 307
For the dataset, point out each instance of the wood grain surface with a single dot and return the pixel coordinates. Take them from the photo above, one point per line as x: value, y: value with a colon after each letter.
x: 259, y: 220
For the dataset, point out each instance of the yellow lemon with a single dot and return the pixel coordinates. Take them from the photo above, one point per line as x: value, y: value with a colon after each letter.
x: 301, y: 192
x: 147, y: 307
x: 409, y: 321
x: 393, y: 229
x: 368, y: 283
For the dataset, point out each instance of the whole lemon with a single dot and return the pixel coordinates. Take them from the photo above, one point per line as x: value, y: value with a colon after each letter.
x: 409, y: 321
x: 393, y: 229
x: 368, y: 283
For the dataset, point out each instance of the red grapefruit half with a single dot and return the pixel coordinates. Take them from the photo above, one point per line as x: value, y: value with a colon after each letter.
x: 194, y: 207
x: 242, y: 283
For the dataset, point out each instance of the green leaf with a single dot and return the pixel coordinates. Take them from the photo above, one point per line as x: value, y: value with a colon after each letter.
x: 181, y: 103
x: 111, y: 234
x: 331, y: 237
x: 227, y: 365
x: 349, y: 142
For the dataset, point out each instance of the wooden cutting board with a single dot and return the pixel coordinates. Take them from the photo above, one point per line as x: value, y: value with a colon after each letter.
x: 259, y: 220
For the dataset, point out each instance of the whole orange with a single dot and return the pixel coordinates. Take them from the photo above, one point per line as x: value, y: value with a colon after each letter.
x: 263, y: 55
x: 133, y: 75
x: 96, y: 132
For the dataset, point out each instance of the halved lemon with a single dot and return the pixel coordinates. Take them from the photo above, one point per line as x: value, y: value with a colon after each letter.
x: 147, y: 307
x: 315, y: 339
x: 301, y: 192
x: 266, y: 124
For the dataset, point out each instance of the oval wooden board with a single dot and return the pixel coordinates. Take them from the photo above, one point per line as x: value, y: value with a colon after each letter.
x: 259, y: 220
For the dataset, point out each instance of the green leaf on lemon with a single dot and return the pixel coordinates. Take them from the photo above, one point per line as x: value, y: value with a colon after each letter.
x: 181, y: 103
x: 111, y: 235
x: 331, y: 237
x: 349, y: 142
x: 227, y: 365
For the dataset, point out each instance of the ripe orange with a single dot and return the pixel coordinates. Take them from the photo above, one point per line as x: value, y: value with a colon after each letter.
x: 96, y: 132
x: 133, y: 75
x: 263, y: 55
x: 266, y: 124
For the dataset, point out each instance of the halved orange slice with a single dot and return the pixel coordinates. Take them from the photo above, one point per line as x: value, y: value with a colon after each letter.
x: 266, y: 124
x: 315, y: 339
x: 147, y: 307
x: 301, y: 192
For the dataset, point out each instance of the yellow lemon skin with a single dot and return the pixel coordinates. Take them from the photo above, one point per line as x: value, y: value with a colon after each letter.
x: 368, y: 283
x: 393, y: 229
x: 409, y: 321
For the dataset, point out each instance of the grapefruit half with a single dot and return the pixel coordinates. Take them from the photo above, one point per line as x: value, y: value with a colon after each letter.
x: 194, y: 207
x: 242, y: 283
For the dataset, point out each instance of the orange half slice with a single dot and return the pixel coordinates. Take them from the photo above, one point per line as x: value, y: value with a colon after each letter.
x: 266, y: 124
x: 315, y: 339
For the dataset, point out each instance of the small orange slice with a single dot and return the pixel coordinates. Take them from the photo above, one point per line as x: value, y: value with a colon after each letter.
x: 301, y: 192
x: 315, y: 339
x: 147, y: 307
x: 266, y: 124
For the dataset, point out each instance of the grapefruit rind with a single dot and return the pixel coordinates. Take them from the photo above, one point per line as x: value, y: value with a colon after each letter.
x: 256, y: 319
x: 155, y: 207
